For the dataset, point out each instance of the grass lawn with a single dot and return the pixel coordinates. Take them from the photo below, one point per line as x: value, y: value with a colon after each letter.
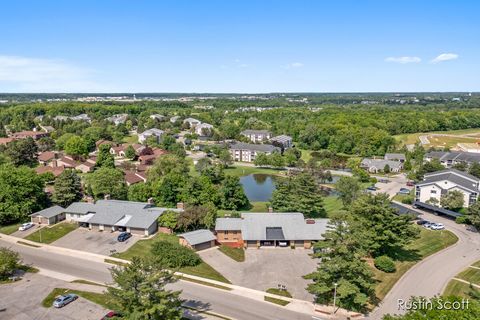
x: 98, y: 298
x: 258, y: 206
x: 412, y: 138
x: 237, y: 254
x: 240, y: 171
x: 471, y: 275
x: 50, y: 234
x: 457, y: 288
x: 276, y: 301
x: 10, y: 228
x: 306, y: 155
x: 142, y: 249
x: 476, y: 264
x: 279, y: 292
x: 332, y: 204
x: 131, y: 139
x: 428, y: 243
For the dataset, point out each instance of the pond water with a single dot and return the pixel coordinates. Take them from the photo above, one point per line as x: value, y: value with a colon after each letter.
x: 258, y: 187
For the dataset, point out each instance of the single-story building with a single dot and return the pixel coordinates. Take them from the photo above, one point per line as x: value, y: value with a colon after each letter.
x: 117, y: 215
x: 395, y: 157
x: 247, y: 152
x: 48, y: 216
x: 378, y: 165
x: 282, y: 141
x: 198, y: 239
x: 270, y: 230
x: 257, y: 136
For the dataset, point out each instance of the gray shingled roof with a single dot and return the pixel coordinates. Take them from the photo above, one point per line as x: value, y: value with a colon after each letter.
x: 250, y: 131
x: 198, y: 236
x: 49, y: 212
x: 255, y: 226
x: 254, y: 147
x: 468, y: 157
x: 461, y: 179
x: 281, y: 138
x: 394, y: 156
x: 380, y: 163
x: 80, y: 208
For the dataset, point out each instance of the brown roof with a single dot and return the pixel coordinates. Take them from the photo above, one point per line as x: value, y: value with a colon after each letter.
x: 142, y: 168
x: 46, y: 156
x: 55, y: 170
x: 69, y: 162
x: 132, y: 178
x: 25, y: 134
x: 88, y: 164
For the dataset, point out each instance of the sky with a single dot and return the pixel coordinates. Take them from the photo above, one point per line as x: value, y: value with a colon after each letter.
x: 239, y: 46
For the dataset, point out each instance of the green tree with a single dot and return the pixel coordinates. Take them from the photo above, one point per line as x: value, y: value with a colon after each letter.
x: 104, y: 158
x: 140, y: 192
x: 349, y: 188
x: 225, y: 158
x: 276, y: 160
x: 381, y: 231
x: 60, y: 142
x: 167, y: 190
x: 452, y: 200
x: 22, y: 152
x: 232, y: 196
x: 167, y: 164
x: 107, y: 181
x: 473, y: 214
x: 298, y: 193
x: 130, y: 152
x: 67, y: 188
x: 261, y: 160
x: 196, y: 217
x: 76, y: 147
x: 168, y: 219
x: 474, y: 169
x: 386, y: 169
x: 21, y: 193
x: 291, y: 157
x: 140, y: 291
x: 45, y: 144
x: 199, y: 190
x: 342, y: 264
x: 9, y: 262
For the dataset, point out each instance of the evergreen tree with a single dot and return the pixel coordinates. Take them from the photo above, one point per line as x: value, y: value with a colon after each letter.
x: 22, y: 152
x: 104, y: 158
x: 67, y: 188
x: 232, y: 196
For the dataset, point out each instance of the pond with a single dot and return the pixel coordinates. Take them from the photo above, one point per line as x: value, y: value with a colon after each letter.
x: 258, y: 187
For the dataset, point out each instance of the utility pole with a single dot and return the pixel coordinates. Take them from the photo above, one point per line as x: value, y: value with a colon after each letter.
x: 334, y: 296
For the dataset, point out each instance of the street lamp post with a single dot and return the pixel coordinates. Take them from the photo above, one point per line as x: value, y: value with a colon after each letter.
x: 334, y: 296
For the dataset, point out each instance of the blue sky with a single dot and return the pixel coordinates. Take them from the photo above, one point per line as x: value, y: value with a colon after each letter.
x: 239, y: 46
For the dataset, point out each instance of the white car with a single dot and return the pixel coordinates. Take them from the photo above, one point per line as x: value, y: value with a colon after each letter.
x: 437, y: 226
x: 25, y: 226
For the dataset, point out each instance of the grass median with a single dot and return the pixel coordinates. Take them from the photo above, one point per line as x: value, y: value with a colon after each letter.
x: 51, y: 234
x: 98, y: 298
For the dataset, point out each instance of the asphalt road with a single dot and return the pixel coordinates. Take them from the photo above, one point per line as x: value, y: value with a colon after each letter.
x: 430, y: 276
x: 219, y: 301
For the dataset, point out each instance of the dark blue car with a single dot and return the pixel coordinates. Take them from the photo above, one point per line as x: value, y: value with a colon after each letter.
x: 124, y: 236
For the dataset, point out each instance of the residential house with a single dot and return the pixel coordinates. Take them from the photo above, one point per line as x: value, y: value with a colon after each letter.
x: 65, y: 161
x: 198, y: 239
x: 282, y: 141
x: 35, y: 135
x: 46, y: 157
x: 395, y: 157
x: 270, y: 230
x: 54, y: 169
x: 86, y: 166
x: 48, y: 216
x: 192, y: 122
x: 437, y: 184
x: 157, y: 117
x: 174, y: 119
x: 149, y: 159
x: 119, y: 151
x: 5, y: 141
x: 247, y: 152
x: 47, y: 129
x: 378, y: 165
x: 157, y: 133
x: 132, y: 177
x: 118, y: 118
x: 257, y: 136
x: 81, y: 117
x: 449, y: 159
x: 117, y: 215
x: 203, y: 129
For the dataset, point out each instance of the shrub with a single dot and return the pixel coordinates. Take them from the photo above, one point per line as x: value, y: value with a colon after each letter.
x: 407, y: 200
x: 174, y: 255
x: 385, y: 264
x: 9, y: 262
x: 462, y: 220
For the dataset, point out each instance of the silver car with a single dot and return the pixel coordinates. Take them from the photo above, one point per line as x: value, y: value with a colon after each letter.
x: 61, y: 301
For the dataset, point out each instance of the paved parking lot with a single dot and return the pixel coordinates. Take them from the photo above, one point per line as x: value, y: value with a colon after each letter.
x: 266, y: 268
x: 22, y: 306
x: 95, y: 241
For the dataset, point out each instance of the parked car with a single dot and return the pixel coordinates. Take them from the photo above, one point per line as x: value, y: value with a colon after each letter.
x: 383, y: 180
x: 372, y: 188
x: 410, y: 183
x: 427, y: 225
x: 62, y: 301
x: 282, y: 243
x: 404, y: 191
x: 111, y: 315
x: 124, y: 236
x: 422, y: 222
x: 437, y: 226
x: 25, y: 226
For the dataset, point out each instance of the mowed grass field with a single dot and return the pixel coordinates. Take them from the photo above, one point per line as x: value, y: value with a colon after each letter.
x: 462, y: 289
x: 439, y: 141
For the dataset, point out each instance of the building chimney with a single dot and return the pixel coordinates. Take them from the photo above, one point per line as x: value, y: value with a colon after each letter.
x: 150, y: 201
x: 310, y: 221
x: 270, y: 209
x: 106, y: 197
x: 180, y: 205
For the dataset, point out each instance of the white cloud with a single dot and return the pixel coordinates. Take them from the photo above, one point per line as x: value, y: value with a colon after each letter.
x: 293, y: 65
x: 35, y: 74
x: 403, y: 60
x: 445, y: 57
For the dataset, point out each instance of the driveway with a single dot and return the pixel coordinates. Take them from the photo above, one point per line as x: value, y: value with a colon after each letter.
x: 430, y: 276
x: 23, y: 234
x: 94, y: 241
x: 393, y: 186
x: 266, y: 268
x: 22, y: 306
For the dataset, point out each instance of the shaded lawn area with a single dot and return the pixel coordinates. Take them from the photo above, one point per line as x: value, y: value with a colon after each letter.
x: 130, y: 139
x: 237, y: 254
x: 142, y: 248
x: 457, y: 288
x: 471, y: 275
x: 11, y: 228
x: 50, y: 234
x: 332, y: 205
x: 98, y: 298
x: 428, y: 243
x: 239, y: 171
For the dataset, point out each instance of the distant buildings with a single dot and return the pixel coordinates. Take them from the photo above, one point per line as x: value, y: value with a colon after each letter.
x: 378, y: 165
x: 192, y: 122
x: 282, y: 141
x: 203, y: 129
x: 469, y: 147
x: 35, y: 135
x: 157, y: 133
x: 80, y: 117
x: 247, y: 152
x: 118, y: 118
x: 449, y: 159
x: 157, y: 117
x: 257, y: 136
x: 395, y: 157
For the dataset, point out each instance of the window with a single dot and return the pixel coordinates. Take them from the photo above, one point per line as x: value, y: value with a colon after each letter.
x: 433, y: 191
x: 234, y: 232
x: 225, y: 232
